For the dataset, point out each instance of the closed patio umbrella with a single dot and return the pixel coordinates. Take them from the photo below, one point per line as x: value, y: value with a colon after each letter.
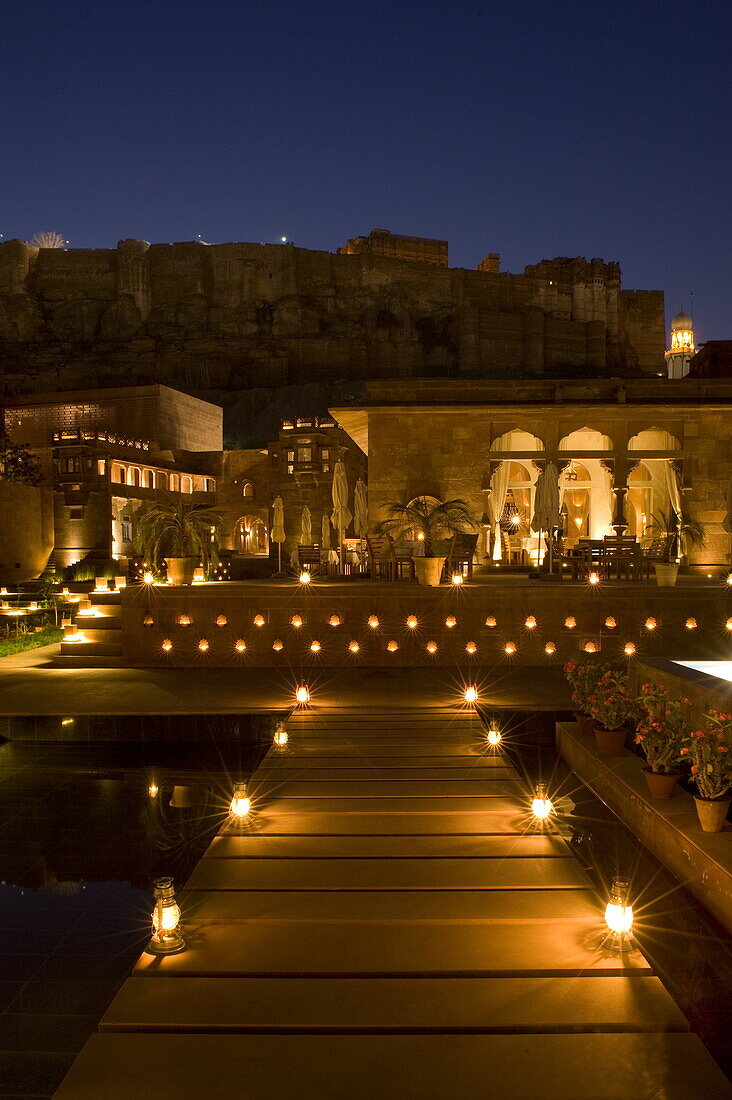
x: 547, y: 515
x: 341, y: 515
x: 277, y: 534
x: 361, y: 512
x: 306, y: 527
x: 727, y: 521
x: 326, y: 541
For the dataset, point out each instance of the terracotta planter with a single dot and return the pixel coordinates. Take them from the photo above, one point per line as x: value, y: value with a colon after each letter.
x: 712, y: 814
x: 666, y: 573
x: 429, y: 570
x: 180, y: 570
x: 661, y: 785
x: 610, y: 742
x: 585, y: 723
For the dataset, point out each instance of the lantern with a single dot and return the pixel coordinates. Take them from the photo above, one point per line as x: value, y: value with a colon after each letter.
x: 619, y: 917
x: 166, y: 938
x: 457, y: 578
x: 550, y: 648
x: 167, y: 645
x: 152, y: 790
x: 240, y: 645
x: 296, y: 620
x: 509, y: 648
x: 354, y: 647
x: 148, y: 577
x: 392, y: 647
x: 147, y: 621
x: 412, y: 621
x: 691, y: 623
x: 590, y: 647
x: 277, y: 645
x: 471, y: 648
x: 334, y: 620
x: 728, y: 624
x: 373, y: 622
x: 493, y: 736
x: 450, y: 622
x: 629, y: 649
x: 241, y: 803
x: 431, y: 647
x: 491, y: 621
x: 651, y: 623
x: 203, y: 645
x: 315, y: 646
x: 541, y: 806
x: 305, y: 577
x: 280, y: 736
x: 570, y: 622
x: 184, y: 620
x: 302, y: 694
x: 611, y: 622
x: 221, y: 620
x: 594, y: 577
x: 471, y: 694
x: 259, y: 620
x: 530, y: 623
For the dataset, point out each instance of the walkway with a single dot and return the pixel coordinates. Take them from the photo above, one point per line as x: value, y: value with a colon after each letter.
x: 389, y: 926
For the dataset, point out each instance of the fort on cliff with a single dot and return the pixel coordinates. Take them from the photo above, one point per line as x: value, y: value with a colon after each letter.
x: 221, y: 320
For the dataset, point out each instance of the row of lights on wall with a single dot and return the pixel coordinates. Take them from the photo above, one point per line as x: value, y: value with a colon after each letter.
x: 167, y: 937
x: 510, y: 648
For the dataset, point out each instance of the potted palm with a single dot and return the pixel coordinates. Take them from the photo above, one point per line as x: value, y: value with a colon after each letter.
x: 181, y: 534
x: 678, y: 532
x: 661, y: 729
x: 613, y: 707
x: 433, y: 522
x: 583, y: 677
x: 708, y: 750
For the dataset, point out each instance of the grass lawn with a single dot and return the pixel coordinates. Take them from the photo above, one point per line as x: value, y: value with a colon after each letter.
x: 9, y: 646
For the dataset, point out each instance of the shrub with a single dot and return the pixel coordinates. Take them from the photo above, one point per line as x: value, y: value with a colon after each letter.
x: 662, y: 727
x: 708, y: 750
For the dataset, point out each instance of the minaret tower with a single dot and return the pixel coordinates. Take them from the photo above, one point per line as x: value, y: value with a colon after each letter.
x: 682, y: 346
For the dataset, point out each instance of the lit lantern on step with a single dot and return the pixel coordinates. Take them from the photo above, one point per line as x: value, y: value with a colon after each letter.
x: 277, y: 645
x: 353, y: 647
x: 541, y: 806
x: 64, y: 592
x: 691, y: 623
x: 259, y: 620
x: 530, y: 623
x: 457, y: 578
x: 471, y: 648
x: 471, y: 694
x: 450, y: 622
x: 611, y: 622
x: 221, y: 620
x: 334, y: 620
x: 593, y: 578
x: 393, y: 646
x: 315, y: 646
x: 509, y: 649
x: 305, y: 577
x: 241, y: 803
x: 203, y: 645
x: 550, y: 649
x: 152, y: 790
x: 619, y: 917
x: 629, y: 649
x: 651, y: 623
x: 240, y: 645
x: 101, y: 584
x: 373, y: 622
x: 4, y: 592
x: 148, y: 621
x: 412, y: 622
x: 148, y: 577
x: 491, y: 621
x: 280, y: 738
x: 166, y: 938
x: 302, y: 695
x: 184, y: 620
x: 570, y: 622
x: 493, y: 737
x: 32, y: 606
x: 120, y: 583
x: 431, y: 647
x: 167, y: 645
x: 296, y: 621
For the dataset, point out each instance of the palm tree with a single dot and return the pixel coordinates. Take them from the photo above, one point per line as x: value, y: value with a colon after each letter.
x: 171, y: 528
x: 434, y: 520
x: 680, y: 532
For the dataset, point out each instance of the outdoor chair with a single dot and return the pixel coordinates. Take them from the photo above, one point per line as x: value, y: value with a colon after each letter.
x: 308, y: 557
x: 460, y: 555
x: 380, y: 558
x: 403, y: 559
x: 512, y: 546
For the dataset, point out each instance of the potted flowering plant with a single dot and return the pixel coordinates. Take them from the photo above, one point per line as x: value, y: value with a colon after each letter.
x: 583, y: 677
x: 613, y: 707
x: 661, y: 730
x: 708, y: 749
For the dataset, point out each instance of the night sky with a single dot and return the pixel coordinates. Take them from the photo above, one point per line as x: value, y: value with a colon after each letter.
x: 529, y: 129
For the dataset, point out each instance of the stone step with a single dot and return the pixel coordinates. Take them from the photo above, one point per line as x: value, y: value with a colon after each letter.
x: 406, y: 788
x: 385, y: 847
x: 499, y: 873
x: 335, y: 749
x: 273, y: 821
x: 384, y: 805
x: 387, y: 778
x: 461, y: 906
x: 674, y: 1066
x: 618, y: 1003
x: 341, y: 767
x: 91, y: 649
x: 417, y: 949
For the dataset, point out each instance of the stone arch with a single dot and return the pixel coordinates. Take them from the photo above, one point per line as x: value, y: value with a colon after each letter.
x: 653, y: 439
x: 585, y: 439
x: 251, y: 536
x: 517, y: 439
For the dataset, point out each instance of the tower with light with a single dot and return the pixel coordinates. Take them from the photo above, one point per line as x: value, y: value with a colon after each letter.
x: 682, y: 347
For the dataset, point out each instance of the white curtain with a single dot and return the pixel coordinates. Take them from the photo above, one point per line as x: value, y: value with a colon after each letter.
x: 496, y: 502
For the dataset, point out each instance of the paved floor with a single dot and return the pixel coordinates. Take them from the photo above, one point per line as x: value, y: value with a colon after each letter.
x: 390, y: 925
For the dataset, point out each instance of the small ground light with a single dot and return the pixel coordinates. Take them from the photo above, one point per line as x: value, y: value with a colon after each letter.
x: 651, y: 623
x: 619, y: 917
x: 354, y: 647
x: 611, y: 622
x: 691, y: 623
x: 541, y: 806
x: 277, y: 645
x: 296, y: 620
x: 431, y: 647
x: 570, y: 622
x: 493, y: 736
x: 590, y: 647
x: 167, y: 645
x: 166, y: 938
x: 728, y: 624
x: 203, y: 645
x: 491, y: 621
x: 221, y: 620
x: 729, y: 579
x: 148, y: 577
x: 471, y: 694
x: 530, y: 623
x: 240, y: 645
x: 509, y: 648
x: 259, y: 620
x: 302, y: 694
x: 550, y: 648
x: 412, y: 621
x: 393, y: 646
x: 315, y: 646
x: 457, y: 578
x: 373, y: 622
x: 450, y: 622
x: 334, y: 620
x: 280, y: 738
x: 471, y: 648
x: 593, y: 578
x: 148, y: 621
x: 305, y: 577
x: 241, y: 803
x: 152, y: 790
x: 184, y: 620
x: 629, y: 649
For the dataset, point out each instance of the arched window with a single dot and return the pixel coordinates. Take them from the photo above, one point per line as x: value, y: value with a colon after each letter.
x: 186, y: 485
x: 133, y: 475
x: 653, y: 439
x: 247, y: 489
x: 250, y: 536
x: 174, y: 483
x: 586, y: 439
x: 147, y: 479
x: 161, y: 480
x: 118, y: 474
x: 209, y: 485
x: 517, y: 440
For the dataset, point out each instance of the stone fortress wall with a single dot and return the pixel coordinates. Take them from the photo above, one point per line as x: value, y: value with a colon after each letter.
x: 219, y: 319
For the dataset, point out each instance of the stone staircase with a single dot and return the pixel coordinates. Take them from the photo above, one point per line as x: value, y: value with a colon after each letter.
x: 97, y: 639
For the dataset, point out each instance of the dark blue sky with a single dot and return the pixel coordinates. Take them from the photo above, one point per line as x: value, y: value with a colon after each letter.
x: 529, y: 129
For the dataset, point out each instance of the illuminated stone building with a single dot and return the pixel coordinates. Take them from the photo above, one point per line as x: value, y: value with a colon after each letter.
x: 382, y: 242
